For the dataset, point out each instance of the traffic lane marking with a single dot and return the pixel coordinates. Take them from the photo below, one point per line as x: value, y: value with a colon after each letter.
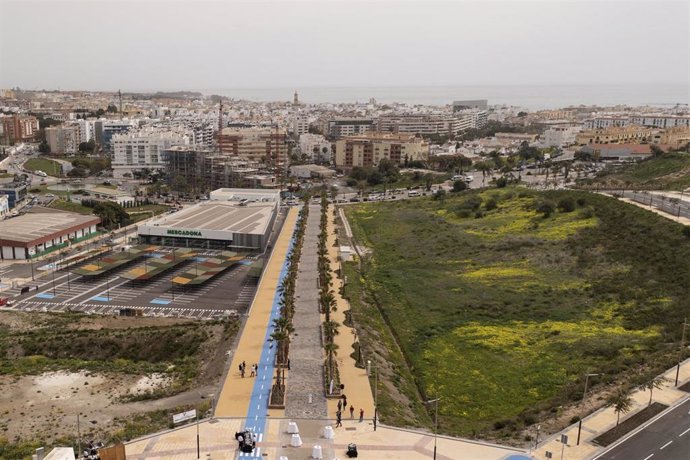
x: 666, y: 445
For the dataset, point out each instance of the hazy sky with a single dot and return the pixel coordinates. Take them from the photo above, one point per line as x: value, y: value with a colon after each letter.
x: 196, y: 44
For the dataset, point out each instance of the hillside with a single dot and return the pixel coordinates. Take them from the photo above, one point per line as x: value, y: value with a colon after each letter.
x: 669, y: 172
x: 500, y: 311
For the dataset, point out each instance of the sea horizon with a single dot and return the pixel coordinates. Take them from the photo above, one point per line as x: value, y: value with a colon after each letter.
x: 533, y: 97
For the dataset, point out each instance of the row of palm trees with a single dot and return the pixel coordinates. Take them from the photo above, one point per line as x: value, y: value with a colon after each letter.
x: 282, y: 326
x: 327, y: 302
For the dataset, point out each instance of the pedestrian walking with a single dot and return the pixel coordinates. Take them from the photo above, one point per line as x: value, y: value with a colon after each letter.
x: 344, y: 401
x: 361, y: 415
x: 352, y: 412
x: 340, y: 405
x: 338, y: 419
x: 253, y: 372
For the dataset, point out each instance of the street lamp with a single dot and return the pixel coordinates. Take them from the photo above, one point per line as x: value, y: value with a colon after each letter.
x: 680, y: 351
x: 376, y: 389
x: 584, y: 395
x: 435, y: 422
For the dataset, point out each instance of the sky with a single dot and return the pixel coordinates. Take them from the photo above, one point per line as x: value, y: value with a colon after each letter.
x: 147, y: 45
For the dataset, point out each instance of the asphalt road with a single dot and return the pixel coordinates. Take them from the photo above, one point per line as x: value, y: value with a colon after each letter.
x: 668, y: 438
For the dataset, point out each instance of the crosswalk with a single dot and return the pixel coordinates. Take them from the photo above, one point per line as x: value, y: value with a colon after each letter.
x: 107, y: 309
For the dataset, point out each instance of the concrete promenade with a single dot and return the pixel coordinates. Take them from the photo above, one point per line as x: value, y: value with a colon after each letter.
x: 305, y: 395
x: 235, y: 395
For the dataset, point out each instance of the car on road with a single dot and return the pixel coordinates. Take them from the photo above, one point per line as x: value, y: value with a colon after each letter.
x: 354, y: 200
x: 4, y: 301
x: 50, y: 195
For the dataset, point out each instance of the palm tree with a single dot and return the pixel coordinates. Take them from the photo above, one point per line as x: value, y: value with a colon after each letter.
x: 621, y: 402
x: 331, y: 352
x: 330, y: 330
x: 654, y: 382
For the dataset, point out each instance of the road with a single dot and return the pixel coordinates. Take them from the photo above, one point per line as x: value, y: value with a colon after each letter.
x: 668, y: 438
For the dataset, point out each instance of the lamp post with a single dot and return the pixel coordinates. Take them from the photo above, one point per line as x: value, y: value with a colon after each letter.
x: 680, y: 351
x: 54, y: 280
x: 584, y: 395
x: 435, y: 422
x: 376, y: 390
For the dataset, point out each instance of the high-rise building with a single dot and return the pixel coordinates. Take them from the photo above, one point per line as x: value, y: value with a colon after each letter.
x: 370, y: 148
x: 18, y: 128
x: 135, y: 151
x: 267, y: 145
x: 341, y: 127
x: 63, y: 140
x: 300, y: 125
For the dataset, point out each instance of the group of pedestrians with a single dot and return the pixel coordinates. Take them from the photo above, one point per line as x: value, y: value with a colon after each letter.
x: 342, y: 405
x: 254, y: 369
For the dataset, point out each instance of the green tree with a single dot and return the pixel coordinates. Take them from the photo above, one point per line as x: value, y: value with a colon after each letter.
x: 111, y: 214
x: 621, y: 402
x: 43, y: 147
x: 653, y: 383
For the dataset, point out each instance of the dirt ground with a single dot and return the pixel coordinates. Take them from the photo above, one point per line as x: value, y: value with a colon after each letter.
x: 46, y: 406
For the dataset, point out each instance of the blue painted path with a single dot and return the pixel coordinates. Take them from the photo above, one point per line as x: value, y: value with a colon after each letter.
x: 258, y: 403
x: 161, y: 301
x: 45, y: 295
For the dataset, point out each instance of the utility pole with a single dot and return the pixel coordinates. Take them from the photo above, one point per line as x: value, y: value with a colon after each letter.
x: 584, y: 395
x: 435, y: 422
x: 680, y: 351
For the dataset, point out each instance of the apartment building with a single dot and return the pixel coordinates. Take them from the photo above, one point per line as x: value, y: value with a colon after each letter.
x: 661, y: 121
x: 616, y: 135
x: 676, y: 137
x: 341, y: 127
x: 560, y: 136
x: 316, y: 147
x: 300, y: 125
x: 196, y: 170
x: 63, y: 140
x: 605, y: 122
x: 255, y: 144
x: 106, y: 129
x: 18, y: 128
x: 141, y: 149
x: 370, y: 148
x: 432, y: 124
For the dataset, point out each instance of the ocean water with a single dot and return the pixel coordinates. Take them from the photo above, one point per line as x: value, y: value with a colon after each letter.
x: 531, y: 97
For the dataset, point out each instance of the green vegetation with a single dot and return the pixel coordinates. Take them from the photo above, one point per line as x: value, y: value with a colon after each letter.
x: 667, y: 172
x: 50, y: 167
x: 501, y: 300
x: 70, y: 206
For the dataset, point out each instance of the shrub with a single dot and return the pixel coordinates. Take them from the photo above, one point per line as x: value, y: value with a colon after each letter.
x: 459, y: 185
x: 478, y: 215
x: 581, y: 201
x: 490, y: 204
x: 501, y: 182
x: 566, y: 205
x: 472, y: 203
x: 686, y: 232
x: 545, y: 207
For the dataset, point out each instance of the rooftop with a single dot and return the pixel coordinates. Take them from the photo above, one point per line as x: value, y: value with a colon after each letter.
x: 225, y: 216
x: 42, y: 224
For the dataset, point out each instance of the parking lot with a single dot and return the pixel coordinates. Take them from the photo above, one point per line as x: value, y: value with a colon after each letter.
x: 229, y: 293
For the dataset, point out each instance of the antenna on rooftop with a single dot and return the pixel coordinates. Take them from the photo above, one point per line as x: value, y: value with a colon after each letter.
x: 119, y: 95
x: 220, y: 126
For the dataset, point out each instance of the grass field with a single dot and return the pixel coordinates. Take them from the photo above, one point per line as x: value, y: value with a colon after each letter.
x: 500, y: 311
x: 70, y: 206
x: 669, y: 172
x: 50, y: 167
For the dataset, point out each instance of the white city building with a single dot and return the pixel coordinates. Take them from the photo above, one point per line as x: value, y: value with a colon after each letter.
x: 315, y: 146
x: 560, y: 136
x: 660, y: 121
x: 137, y: 150
x: 300, y: 125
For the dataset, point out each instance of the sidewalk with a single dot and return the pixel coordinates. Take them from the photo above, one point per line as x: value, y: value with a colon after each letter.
x: 605, y: 419
x: 357, y: 387
x: 236, y: 391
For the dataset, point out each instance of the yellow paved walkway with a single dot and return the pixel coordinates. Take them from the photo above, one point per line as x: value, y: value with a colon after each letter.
x: 357, y: 388
x: 234, y: 397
